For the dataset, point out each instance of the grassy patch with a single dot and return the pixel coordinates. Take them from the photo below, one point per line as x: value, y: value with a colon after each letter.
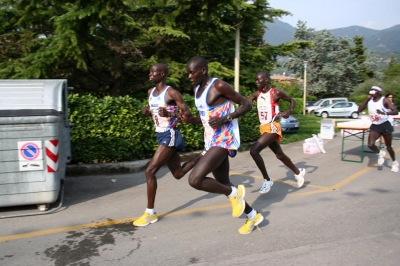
x: 309, y: 124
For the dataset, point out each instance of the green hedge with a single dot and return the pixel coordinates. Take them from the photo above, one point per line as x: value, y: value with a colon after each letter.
x: 113, y: 129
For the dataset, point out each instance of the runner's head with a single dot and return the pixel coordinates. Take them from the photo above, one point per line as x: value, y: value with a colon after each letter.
x: 262, y: 80
x: 389, y: 96
x: 375, y: 91
x: 197, y: 69
x: 158, y: 72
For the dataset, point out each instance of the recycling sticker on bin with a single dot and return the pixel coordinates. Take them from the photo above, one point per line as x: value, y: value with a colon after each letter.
x: 30, y: 155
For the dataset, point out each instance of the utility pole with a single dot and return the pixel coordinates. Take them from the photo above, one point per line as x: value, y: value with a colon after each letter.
x: 237, y: 58
x: 305, y: 88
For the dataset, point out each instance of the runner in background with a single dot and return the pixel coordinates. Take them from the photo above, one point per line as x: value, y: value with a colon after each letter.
x: 271, y: 132
x: 390, y: 117
x: 379, y: 109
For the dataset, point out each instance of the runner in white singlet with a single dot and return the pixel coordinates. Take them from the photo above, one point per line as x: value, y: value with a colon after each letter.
x: 214, y: 100
x: 227, y: 136
x: 379, y: 109
x: 163, y: 104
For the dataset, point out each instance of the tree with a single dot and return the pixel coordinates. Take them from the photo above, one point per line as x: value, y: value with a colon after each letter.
x: 302, y: 34
x: 365, y: 70
x: 390, y: 83
x: 101, y: 46
x: 392, y: 71
x: 332, y: 68
x: 392, y: 80
x: 106, y: 47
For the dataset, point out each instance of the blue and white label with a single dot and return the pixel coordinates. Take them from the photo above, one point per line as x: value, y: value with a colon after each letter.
x: 30, y: 150
x: 30, y: 155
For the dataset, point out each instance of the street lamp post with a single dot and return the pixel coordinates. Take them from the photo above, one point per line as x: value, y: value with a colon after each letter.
x: 305, y: 87
x: 237, y: 53
x: 237, y: 58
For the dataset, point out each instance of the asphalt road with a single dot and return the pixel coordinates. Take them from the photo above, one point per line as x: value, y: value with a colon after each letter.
x: 346, y: 214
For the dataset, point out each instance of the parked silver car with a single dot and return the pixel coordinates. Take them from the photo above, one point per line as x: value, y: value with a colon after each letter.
x: 290, y: 124
x: 339, y: 109
x: 310, y: 103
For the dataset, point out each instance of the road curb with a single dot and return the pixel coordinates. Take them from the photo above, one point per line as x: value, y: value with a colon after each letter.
x: 76, y: 170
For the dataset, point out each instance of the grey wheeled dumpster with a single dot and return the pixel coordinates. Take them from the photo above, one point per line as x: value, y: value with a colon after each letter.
x: 34, y: 141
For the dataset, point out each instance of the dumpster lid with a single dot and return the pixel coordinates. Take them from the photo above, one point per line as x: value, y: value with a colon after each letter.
x: 43, y: 94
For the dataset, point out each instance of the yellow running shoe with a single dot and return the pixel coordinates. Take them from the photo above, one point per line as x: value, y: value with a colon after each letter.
x: 249, y: 224
x: 238, y: 202
x: 146, y: 219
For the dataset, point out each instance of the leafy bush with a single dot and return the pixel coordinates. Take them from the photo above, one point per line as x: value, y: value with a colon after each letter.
x: 109, y: 129
x: 112, y: 129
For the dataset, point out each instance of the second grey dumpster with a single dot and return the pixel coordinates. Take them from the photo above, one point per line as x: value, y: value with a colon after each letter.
x: 34, y: 141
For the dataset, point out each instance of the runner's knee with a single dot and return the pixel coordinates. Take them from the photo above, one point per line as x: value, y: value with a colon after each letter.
x: 281, y: 156
x: 371, y: 145
x: 254, y: 151
x: 195, y: 181
x: 151, y: 171
x: 178, y: 174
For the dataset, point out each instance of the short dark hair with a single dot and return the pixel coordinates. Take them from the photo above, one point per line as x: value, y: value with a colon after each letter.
x: 163, y: 67
x: 198, y: 61
x: 265, y: 73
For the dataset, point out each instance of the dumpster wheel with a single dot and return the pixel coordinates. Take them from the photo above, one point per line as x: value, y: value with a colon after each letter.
x: 41, y: 206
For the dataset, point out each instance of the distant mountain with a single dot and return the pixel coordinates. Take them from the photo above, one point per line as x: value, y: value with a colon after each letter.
x: 384, y: 40
x: 376, y: 40
x: 353, y: 31
x: 278, y: 32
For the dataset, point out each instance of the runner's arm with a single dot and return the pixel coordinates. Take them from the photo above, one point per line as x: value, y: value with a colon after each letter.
x: 281, y: 95
x: 226, y: 90
x: 184, y: 112
x: 146, y: 108
x: 392, y: 107
x: 253, y: 96
x: 364, y: 103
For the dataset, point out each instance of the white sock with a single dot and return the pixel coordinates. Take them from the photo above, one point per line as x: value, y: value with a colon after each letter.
x: 252, y: 214
x: 234, y: 192
x: 150, y: 211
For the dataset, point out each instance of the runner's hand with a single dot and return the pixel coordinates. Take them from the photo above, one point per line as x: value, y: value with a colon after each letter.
x: 184, y: 118
x: 216, y: 122
x: 284, y: 114
x: 146, y: 110
x: 380, y: 112
x: 179, y: 115
x: 162, y: 112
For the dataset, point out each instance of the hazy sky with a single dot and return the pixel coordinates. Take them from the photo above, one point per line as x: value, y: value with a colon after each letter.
x: 331, y: 14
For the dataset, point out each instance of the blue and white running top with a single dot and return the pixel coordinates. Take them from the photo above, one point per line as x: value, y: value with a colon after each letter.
x: 162, y: 124
x: 227, y: 136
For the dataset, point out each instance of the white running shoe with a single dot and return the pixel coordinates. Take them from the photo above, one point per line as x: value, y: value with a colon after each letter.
x: 395, y: 166
x: 300, y: 177
x: 266, y: 186
x: 381, y: 157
